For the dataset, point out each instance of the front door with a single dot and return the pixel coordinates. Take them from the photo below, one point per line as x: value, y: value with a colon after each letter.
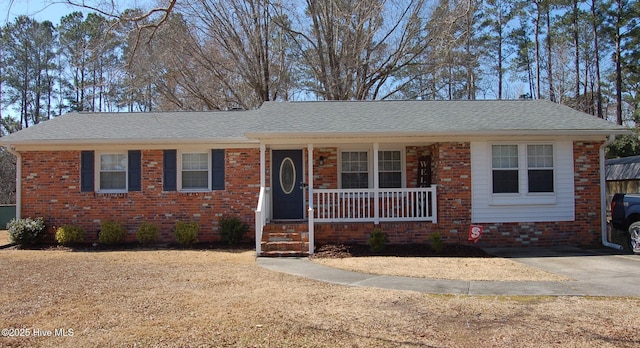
x: 287, y: 187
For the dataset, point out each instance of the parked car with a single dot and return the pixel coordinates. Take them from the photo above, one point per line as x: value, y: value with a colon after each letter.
x: 625, y: 216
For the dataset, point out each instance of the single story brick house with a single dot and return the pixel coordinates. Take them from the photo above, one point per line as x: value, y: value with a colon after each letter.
x: 530, y: 173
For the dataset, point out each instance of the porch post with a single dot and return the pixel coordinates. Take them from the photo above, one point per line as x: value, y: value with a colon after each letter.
x: 376, y: 185
x: 310, y: 212
x: 263, y: 161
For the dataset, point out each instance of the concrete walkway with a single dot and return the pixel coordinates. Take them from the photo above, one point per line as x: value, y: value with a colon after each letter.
x: 602, y: 272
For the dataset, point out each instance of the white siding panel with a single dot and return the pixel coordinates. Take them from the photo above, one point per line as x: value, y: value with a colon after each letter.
x: 525, y: 208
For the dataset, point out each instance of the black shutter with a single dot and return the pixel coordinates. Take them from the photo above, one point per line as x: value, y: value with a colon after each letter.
x: 169, y: 166
x: 217, y: 169
x: 87, y: 166
x: 135, y: 170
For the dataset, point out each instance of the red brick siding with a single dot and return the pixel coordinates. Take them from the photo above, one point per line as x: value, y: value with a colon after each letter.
x: 51, y: 189
x: 584, y: 231
x: 453, y: 177
x: 325, y: 176
x: 452, y: 174
x: 413, y: 153
x: 587, y: 192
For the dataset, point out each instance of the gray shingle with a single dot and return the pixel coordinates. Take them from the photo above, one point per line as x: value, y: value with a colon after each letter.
x: 625, y: 168
x: 431, y: 117
x: 161, y: 126
x: 536, y: 117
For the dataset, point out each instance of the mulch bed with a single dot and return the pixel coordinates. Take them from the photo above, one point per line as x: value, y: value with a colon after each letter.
x: 400, y: 250
x: 322, y: 251
x: 133, y: 246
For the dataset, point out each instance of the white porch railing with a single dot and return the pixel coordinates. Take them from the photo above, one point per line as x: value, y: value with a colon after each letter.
x: 263, y: 214
x: 359, y: 205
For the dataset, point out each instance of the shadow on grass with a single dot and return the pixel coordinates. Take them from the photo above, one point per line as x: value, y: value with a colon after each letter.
x: 134, y: 246
x: 398, y: 250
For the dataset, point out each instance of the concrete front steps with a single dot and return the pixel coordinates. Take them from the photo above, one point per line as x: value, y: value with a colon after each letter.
x: 285, y: 240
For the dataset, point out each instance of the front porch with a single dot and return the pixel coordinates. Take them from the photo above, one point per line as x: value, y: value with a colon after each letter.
x: 331, y: 208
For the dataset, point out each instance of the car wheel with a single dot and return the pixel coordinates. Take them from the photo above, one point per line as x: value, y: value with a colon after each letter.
x: 634, y: 237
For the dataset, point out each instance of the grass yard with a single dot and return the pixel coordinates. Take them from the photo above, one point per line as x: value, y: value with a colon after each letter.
x: 4, y: 237
x: 167, y: 298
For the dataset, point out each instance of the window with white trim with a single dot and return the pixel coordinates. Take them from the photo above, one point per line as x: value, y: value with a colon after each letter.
x: 504, y: 166
x: 540, y: 167
x: 389, y: 169
x: 112, y: 173
x: 355, y: 169
x: 522, y: 168
x: 194, y: 170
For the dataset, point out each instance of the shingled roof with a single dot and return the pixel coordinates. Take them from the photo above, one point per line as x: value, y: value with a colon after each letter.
x: 431, y: 117
x: 139, y: 127
x: 317, y: 119
x: 624, y: 168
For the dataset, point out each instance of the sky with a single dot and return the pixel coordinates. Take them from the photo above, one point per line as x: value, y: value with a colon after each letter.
x: 38, y: 9
x: 52, y: 10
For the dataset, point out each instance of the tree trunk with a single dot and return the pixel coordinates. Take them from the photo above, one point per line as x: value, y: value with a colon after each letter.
x: 552, y: 93
x: 618, y: 64
x: 576, y: 42
x: 594, y: 19
x: 537, y: 44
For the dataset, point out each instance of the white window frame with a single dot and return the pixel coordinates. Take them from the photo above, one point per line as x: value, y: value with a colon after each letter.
x: 180, y: 170
x: 523, y: 196
x: 370, y: 166
x: 534, y: 168
x: 98, y: 171
x: 403, y: 166
x: 506, y: 169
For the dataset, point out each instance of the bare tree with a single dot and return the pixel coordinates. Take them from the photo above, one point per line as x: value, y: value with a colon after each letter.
x: 352, y: 49
x: 152, y: 19
x: 244, y: 34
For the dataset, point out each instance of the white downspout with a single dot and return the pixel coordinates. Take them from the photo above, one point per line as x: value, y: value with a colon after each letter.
x: 603, y: 196
x: 310, y: 212
x: 18, y: 180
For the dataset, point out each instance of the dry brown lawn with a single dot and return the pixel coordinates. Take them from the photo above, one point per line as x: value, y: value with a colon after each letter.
x: 456, y: 268
x: 168, y: 298
x: 4, y: 237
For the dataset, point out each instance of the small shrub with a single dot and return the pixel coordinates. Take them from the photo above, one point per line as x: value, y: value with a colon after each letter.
x: 377, y: 240
x: 69, y: 234
x: 147, y: 233
x: 187, y: 233
x: 232, y: 229
x: 111, y: 232
x: 26, y: 232
x: 437, y: 244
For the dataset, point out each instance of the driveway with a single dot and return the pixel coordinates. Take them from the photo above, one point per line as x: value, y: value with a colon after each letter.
x: 601, y: 272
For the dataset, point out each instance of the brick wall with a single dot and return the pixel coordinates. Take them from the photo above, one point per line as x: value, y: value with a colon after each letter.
x: 452, y: 174
x: 412, y: 155
x: 325, y: 176
x: 51, y: 189
x: 584, y: 231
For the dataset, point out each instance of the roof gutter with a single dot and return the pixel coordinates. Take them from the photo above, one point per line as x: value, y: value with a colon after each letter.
x: 12, y: 151
x: 603, y: 196
x: 121, y: 141
x: 378, y: 134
